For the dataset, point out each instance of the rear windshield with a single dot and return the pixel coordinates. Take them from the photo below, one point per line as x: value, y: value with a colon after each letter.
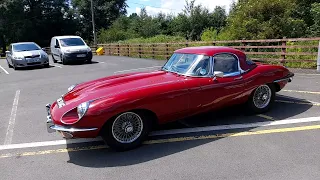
x: 25, y: 47
x: 71, y: 42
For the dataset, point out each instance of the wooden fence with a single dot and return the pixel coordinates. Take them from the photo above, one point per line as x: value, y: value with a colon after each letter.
x: 299, y: 51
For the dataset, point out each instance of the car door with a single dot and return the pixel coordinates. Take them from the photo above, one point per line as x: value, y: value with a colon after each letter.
x: 57, y: 52
x: 216, y: 92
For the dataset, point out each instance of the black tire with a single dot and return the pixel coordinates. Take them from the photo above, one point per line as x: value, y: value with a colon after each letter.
x: 9, y: 66
x: 253, y: 108
x: 89, y: 61
x: 64, y: 61
x: 53, y: 59
x: 47, y: 65
x: 114, y: 144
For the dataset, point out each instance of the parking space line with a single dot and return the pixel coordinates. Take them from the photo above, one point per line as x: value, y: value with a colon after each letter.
x: 137, y: 69
x: 56, y: 65
x: 297, y: 102
x: 305, y: 74
x: 167, y: 132
x: 4, y: 70
x: 235, y: 126
x: 265, y: 117
x: 48, y: 143
x: 306, y: 92
x: 12, y: 119
x: 169, y: 140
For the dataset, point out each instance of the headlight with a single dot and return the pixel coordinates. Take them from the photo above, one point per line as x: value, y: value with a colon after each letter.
x: 71, y: 87
x: 67, y: 51
x: 82, y: 109
x: 17, y: 57
x: 89, y: 49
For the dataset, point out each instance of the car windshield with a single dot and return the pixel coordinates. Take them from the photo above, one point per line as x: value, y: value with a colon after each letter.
x: 188, y: 64
x: 25, y: 47
x: 71, y: 42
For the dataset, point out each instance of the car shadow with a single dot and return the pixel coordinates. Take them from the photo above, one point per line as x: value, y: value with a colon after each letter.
x: 79, y: 63
x: 105, y: 157
x: 34, y: 68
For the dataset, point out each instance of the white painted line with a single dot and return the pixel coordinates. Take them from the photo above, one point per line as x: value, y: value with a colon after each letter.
x: 305, y: 74
x: 297, y: 99
x: 296, y: 91
x: 12, y: 119
x: 100, y: 62
x: 48, y: 143
x: 56, y: 65
x: 137, y: 69
x: 4, y: 70
x: 166, y: 132
x: 235, y: 126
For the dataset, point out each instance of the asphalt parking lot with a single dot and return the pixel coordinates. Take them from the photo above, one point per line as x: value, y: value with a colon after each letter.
x: 229, y: 144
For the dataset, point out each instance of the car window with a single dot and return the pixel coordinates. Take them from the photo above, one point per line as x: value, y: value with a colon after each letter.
x: 71, y: 42
x: 226, y: 63
x: 202, y: 68
x: 57, y: 42
x: 25, y: 47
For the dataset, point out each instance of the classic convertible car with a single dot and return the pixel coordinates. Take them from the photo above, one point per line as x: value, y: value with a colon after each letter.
x: 122, y: 109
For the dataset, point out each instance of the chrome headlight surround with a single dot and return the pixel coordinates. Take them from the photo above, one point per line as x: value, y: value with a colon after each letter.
x: 82, y: 109
x: 71, y: 87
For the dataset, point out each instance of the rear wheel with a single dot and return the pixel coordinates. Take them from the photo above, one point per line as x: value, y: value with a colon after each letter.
x: 262, y: 98
x: 126, y: 131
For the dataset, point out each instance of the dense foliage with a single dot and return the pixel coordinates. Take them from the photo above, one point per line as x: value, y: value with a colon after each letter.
x: 39, y: 20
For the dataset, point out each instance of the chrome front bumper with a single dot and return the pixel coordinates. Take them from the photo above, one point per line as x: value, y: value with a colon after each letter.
x: 51, y: 127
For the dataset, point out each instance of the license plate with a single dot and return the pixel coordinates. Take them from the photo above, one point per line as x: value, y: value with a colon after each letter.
x: 33, y: 60
x: 60, y: 102
x: 81, y: 55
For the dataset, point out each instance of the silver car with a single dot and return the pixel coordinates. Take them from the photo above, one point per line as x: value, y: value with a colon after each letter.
x: 26, y: 54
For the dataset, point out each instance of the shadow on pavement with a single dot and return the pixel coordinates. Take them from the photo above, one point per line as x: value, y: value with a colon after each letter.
x: 232, y: 115
x: 78, y: 63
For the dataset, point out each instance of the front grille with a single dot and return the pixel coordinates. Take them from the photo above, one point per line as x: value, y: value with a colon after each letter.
x: 33, y: 63
x: 33, y: 56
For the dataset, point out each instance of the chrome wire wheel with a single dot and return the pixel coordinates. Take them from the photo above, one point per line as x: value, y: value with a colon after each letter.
x: 127, y: 127
x: 262, y: 96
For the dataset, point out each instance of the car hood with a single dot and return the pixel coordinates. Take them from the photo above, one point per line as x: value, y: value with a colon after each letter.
x: 25, y: 54
x: 116, y: 84
x: 75, y: 48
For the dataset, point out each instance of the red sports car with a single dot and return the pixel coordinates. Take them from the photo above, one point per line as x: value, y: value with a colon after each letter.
x: 122, y: 109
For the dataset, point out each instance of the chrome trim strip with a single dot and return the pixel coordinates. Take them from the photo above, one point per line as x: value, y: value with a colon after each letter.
x: 284, y: 79
x: 71, y: 129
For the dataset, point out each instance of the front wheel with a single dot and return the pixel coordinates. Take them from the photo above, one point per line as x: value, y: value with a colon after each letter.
x: 126, y: 131
x: 262, y: 98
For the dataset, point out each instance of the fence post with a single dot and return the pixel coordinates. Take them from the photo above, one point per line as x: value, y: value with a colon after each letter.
x: 109, y: 49
x: 284, y: 51
x: 153, y: 56
x: 167, y: 51
x: 187, y: 44
x: 139, y: 50
x: 118, y: 47
x: 128, y: 49
x: 318, y: 60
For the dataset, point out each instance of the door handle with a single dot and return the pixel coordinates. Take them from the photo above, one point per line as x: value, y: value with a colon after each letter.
x: 238, y: 78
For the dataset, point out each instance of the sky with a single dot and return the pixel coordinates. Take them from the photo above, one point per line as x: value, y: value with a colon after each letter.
x: 153, y: 7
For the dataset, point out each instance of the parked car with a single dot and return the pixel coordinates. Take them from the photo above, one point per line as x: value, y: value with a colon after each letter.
x: 26, y: 54
x: 124, y: 108
x: 70, y: 49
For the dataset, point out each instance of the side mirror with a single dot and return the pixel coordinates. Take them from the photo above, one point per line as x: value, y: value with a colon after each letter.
x: 218, y: 74
x: 7, y: 52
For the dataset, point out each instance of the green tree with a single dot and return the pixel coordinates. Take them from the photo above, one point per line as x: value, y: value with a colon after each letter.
x: 106, y: 12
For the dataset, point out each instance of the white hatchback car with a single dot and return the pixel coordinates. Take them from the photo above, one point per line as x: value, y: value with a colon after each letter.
x: 70, y: 48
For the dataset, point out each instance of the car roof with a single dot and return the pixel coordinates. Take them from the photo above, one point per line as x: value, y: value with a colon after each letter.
x: 23, y: 43
x: 63, y: 37
x: 209, y: 50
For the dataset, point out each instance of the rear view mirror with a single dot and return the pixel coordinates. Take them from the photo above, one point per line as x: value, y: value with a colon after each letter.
x: 218, y: 74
